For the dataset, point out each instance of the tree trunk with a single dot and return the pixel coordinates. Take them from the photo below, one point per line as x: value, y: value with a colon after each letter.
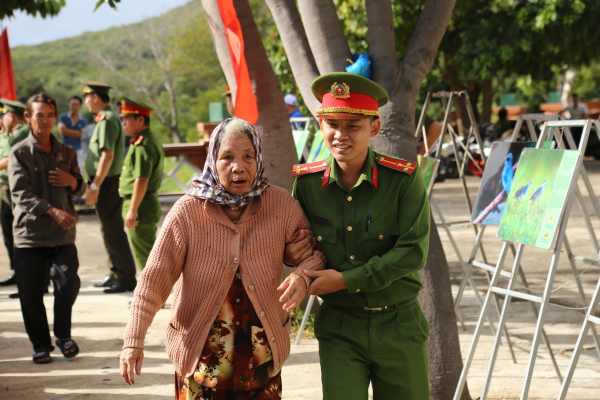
x: 488, y: 95
x: 273, y: 122
x: 474, y: 99
x: 445, y: 360
x: 463, y: 122
x: 567, y: 90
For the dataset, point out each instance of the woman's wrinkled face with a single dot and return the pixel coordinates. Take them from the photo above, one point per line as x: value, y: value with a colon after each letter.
x: 236, y: 164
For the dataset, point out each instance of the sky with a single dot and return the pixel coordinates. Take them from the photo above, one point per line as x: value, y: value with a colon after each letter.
x: 76, y: 18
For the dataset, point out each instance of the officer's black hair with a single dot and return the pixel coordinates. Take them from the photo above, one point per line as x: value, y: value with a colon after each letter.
x: 104, y: 97
x: 503, y: 113
x: 76, y: 98
x: 373, y: 118
x: 18, y: 112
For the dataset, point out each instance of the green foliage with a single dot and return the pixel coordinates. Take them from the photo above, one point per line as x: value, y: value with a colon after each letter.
x: 32, y: 7
x: 111, y: 3
x: 297, y: 314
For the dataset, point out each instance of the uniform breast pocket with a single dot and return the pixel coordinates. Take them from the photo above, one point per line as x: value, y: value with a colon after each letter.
x: 326, y: 238
x: 380, y: 238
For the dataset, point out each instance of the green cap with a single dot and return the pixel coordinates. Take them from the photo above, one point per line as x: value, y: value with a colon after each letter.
x: 11, y: 106
x: 129, y: 106
x: 343, y: 93
x: 95, y: 87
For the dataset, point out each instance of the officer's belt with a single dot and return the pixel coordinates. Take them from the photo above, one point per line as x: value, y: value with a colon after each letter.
x: 391, y: 306
x: 146, y: 197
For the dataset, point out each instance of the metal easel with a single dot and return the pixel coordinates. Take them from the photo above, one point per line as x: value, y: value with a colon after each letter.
x: 547, y: 133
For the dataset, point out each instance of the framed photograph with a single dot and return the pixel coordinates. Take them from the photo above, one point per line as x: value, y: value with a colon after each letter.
x: 428, y: 167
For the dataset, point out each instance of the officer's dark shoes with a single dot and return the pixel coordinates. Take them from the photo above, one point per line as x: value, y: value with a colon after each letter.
x: 106, y: 282
x: 11, y: 280
x: 120, y: 288
x: 13, y: 295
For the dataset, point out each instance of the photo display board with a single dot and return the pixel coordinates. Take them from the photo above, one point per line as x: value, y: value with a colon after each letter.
x: 496, y: 181
x: 428, y: 167
x: 538, y: 196
x: 318, y: 150
x: 300, y: 138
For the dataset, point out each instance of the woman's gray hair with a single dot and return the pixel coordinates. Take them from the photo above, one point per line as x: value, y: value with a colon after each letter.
x: 236, y: 128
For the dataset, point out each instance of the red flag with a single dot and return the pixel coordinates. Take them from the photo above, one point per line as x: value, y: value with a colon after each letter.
x: 7, y: 77
x: 245, y: 101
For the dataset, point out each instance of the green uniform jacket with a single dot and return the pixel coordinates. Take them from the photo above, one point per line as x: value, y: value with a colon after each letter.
x: 144, y: 159
x: 7, y: 141
x: 107, y: 134
x: 376, y: 235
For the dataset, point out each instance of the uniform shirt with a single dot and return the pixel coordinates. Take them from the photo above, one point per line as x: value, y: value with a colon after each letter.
x: 107, y: 134
x: 20, y: 132
x: 32, y: 195
x: 66, y: 120
x: 378, y: 238
x: 144, y: 160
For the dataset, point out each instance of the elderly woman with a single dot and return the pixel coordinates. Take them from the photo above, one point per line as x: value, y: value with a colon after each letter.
x: 222, y: 247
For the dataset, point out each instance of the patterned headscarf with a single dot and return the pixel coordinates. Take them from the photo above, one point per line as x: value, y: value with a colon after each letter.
x: 207, y: 185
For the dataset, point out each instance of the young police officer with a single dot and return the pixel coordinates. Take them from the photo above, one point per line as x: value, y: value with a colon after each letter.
x: 370, y: 214
x: 141, y: 179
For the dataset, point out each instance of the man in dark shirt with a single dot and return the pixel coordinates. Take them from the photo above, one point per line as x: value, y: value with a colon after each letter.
x: 44, y: 177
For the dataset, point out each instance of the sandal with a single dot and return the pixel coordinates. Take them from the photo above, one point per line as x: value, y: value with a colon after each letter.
x: 68, y: 347
x: 42, y: 357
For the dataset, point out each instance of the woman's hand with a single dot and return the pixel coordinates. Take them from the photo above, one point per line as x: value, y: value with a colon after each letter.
x: 131, y: 357
x: 295, y: 290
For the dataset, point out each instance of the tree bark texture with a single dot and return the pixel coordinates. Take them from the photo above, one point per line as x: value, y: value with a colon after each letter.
x: 273, y: 122
x: 463, y: 122
x: 445, y: 360
x: 488, y: 95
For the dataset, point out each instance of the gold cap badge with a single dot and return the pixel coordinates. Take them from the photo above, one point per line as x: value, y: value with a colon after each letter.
x: 340, y: 90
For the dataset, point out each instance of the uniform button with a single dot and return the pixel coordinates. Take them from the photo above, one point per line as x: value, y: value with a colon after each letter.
x: 237, y: 322
x: 235, y: 260
x: 273, y: 339
x: 237, y: 300
x: 262, y: 313
x: 352, y: 257
x: 357, y: 290
x: 380, y: 236
x: 349, y: 229
x: 319, y: 238
x: 251, y: 288
x: 349, y: 198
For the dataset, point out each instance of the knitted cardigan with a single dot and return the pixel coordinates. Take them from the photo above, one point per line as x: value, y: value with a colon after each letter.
x: 197, y: 252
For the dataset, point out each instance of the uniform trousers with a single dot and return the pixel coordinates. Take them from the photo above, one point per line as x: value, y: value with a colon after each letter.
x: 6, y: 221
x: 30, y: 268
x: 108, y: 209
x: 143, y: 236
x: 387, y: 348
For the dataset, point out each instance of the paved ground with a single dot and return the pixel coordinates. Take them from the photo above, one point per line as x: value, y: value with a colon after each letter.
x: 99, y: 321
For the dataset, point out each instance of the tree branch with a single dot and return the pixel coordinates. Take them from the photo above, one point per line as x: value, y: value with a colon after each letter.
x: 382, y: 42
x: 325, y: 35
x: 288, y: 21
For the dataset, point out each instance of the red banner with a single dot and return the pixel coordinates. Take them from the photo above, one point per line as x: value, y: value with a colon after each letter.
x: 7, y: 77
x: 245, y: 101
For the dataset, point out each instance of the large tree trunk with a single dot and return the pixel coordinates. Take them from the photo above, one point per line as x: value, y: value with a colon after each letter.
x: 488, y: 95
x: 273, y: 122
x: 450, y: 76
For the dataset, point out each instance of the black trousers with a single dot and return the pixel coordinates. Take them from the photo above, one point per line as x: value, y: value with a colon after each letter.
x: 6, y: 221
x: 109, y: 209
x: 30, y: 268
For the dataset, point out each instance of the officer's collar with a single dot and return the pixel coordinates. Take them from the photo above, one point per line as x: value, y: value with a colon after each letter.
x: 366, y: 173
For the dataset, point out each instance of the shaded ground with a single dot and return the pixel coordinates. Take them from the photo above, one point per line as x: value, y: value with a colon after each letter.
x: 99, y: 321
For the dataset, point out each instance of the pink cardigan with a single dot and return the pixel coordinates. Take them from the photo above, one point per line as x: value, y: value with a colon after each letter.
x: 197, y: 252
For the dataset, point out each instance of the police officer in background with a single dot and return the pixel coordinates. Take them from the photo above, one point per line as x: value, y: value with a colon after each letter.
x: 103, y: 165
x: 15, y: 130
x: 141, y: 179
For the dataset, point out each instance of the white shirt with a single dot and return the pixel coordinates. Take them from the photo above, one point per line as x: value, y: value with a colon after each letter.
x: 577, y: 112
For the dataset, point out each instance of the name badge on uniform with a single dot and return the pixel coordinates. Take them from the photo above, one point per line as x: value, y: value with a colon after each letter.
x: 321, y: 220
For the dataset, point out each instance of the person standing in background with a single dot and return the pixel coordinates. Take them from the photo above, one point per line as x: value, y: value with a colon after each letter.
x: 71, y: 126
x: 103, y: 165
x: 141, y: 179
x: 15, y: 130
x: 291, y: 103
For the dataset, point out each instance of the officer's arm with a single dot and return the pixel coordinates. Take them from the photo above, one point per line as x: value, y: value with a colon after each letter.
x: 104, y: 164
x: 140, y: 185
x: 409, y: 253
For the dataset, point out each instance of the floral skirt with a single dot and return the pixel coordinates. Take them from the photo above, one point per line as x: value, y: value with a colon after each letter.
x: 272, y: 391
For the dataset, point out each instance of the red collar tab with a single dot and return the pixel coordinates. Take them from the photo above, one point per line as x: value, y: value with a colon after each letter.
x: 131, y: 109
x: 374, y: 177
x: 397, y: 164
x: 136, y: 141
x: 100, y: 117
x: 326, y: 177
x: 303, y: 169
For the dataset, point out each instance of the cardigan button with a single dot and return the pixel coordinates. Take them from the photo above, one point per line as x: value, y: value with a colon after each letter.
x: 235, y: 260
x: 262, y: 313
x: 273, y: 339
x: 251, y: 288
x: 236, y: 231
x: 277, y: 364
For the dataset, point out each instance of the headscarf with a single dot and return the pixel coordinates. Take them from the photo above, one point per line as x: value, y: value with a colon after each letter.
x: 207, y: 185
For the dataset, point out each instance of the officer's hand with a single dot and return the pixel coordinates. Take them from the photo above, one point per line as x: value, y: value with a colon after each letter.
x: 295, y: 290
x: 64, y: 219
x: 131, y: 357
x: 130, y: 219
x: 92, y: 197
x: 325, y: 282
x: 300, y: 249
x: 60, y: 178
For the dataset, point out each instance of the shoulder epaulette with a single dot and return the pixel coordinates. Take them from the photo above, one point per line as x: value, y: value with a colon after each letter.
x: 309, y: 168
x: 100, y: 117
x: 137, y: 141
x: 396, y: 163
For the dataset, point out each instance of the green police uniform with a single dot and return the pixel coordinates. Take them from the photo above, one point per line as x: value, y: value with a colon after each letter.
x: 144, y: 159
x: 7, y: 141
x: 109, y: 134
x: 377, y: 236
